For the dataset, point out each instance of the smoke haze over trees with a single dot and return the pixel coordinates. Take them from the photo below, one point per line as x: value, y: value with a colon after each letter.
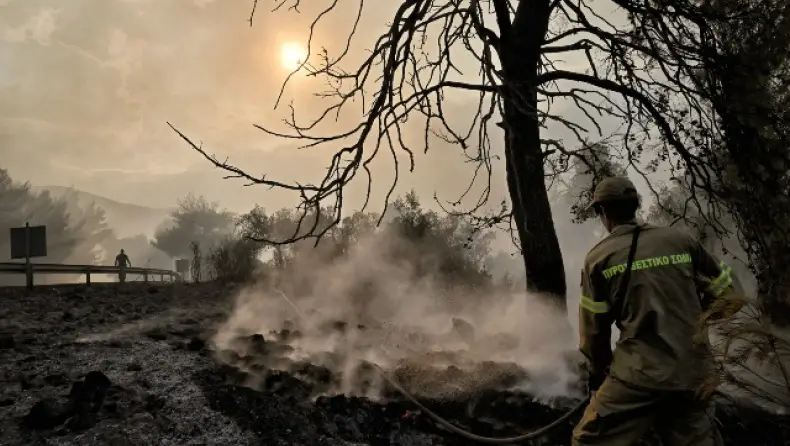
x: 76, y: 234
x: 666, y: 75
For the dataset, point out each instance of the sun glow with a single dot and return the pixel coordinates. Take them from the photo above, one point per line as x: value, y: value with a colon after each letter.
x: 292, y: 55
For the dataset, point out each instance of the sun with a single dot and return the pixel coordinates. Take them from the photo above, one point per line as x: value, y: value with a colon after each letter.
x: 292, y: 55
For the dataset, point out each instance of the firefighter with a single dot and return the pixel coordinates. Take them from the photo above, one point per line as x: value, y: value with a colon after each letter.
x: 122, y: 262
x: 658, y: 365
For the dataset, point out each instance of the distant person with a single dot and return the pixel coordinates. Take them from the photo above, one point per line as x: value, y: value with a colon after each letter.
x: 122, y: 262
x: 654, y: 283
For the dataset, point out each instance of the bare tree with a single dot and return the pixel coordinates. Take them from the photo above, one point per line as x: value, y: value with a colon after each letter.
x: 642, y: 81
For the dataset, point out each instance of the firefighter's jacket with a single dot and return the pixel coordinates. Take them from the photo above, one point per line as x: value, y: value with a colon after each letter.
x: 659, y: 313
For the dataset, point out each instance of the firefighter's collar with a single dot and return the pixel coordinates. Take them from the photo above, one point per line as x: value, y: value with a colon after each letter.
x: 624, y: 228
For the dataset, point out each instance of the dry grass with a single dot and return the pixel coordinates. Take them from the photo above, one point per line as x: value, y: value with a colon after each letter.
x: 752, y: 356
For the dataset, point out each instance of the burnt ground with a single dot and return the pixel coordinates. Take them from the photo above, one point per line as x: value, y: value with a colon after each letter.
x: 134, y: 365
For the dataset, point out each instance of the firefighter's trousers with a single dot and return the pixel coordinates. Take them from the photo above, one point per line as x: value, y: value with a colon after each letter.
x: 621, y: 415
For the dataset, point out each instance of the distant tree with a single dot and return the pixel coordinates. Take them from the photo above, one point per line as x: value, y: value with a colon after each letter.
x: 89, y: 222
x: 194, y: 220
x: 446, y: 246
x: 255, y: 224
x: 73, y: 234
x: 353, y: 229
x: 443, y: 249
x: 234, y: 259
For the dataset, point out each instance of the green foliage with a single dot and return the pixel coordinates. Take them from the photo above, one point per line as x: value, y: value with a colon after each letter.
x: 234, y: 259
x: 445, y: 246
x: 441, y: 247
x: 195, y: 220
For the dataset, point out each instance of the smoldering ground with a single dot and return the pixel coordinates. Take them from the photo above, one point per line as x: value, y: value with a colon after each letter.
x: 367, y: 307
x: 153, y: 344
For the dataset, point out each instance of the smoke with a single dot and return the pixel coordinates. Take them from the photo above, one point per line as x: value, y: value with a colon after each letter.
x: 369, y: 308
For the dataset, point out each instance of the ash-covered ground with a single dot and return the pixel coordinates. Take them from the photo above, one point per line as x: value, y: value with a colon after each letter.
x: 144, y: 365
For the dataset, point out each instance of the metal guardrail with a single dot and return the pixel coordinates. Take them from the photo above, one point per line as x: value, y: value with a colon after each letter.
x: 55, y: 268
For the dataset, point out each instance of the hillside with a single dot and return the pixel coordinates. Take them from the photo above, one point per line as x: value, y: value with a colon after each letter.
x: 125, y: 219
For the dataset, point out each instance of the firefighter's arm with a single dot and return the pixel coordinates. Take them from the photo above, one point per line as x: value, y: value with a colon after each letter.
x: 720, y: 292
x: 595, y: 324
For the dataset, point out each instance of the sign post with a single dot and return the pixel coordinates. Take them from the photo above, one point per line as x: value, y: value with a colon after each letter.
x: 27, y: 242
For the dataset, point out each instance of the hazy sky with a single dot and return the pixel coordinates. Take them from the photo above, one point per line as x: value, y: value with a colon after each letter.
x: 87, y: 86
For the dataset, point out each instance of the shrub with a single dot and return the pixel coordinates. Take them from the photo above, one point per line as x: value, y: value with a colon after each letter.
x: 752, y: 356
x: 234, y: 259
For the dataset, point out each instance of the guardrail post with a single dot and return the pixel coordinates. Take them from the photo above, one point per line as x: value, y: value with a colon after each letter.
x: 28, y: 265
x: 145, y: 276
x: 88, y: 276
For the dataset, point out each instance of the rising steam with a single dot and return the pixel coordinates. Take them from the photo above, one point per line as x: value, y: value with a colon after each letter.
x: 400, y: 322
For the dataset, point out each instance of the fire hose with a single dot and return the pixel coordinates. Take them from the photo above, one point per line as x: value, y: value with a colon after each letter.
x: 479, y: 438
x: 718, y: 440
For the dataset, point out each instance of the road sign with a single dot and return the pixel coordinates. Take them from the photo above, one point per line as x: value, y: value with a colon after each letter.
x: 28, y: 241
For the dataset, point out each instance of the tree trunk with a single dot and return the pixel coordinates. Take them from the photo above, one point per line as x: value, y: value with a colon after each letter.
x: 540, y: 247
x: 526, y: 182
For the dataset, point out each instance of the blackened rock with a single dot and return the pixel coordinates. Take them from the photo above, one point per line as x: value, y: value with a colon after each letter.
x: 48, y: 413
x: 88, y: 395
x: 156, y: 334
x: 7, y: 342
x: 229, y: 356
x: 281, y: 350
x: 284, y: 384
x: 228, y: 374
x: 196, y: 344
x: 134, y: 367
x: 257, y: 344
x: 153, y: 403
x: 311, y: 372
x: 5, y: 402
